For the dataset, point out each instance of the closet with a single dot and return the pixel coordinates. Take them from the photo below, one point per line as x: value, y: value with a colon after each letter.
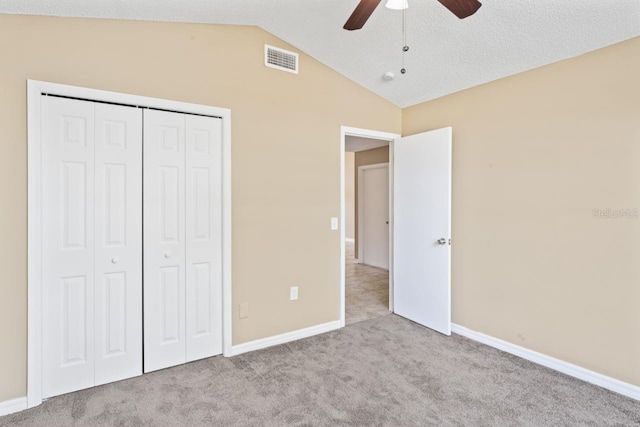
x: 131, y: 241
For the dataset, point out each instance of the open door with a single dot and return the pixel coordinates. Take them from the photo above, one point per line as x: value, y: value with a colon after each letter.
x: 422, y: 229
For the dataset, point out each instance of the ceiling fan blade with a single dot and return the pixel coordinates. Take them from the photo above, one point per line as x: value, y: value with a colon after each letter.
x: 361, y: 14
x: 462, y: 8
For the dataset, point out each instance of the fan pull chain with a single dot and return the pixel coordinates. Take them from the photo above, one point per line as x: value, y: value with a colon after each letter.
x: 405, y: 48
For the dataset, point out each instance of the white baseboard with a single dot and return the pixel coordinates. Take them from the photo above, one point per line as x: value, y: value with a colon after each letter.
x: 20, y: 404
x: 283, y: 338
x: 347, y: 239
x: 570, y: 369
x: 14, y: 405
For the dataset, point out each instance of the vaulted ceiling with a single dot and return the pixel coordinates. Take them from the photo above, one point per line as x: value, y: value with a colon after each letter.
x: 446, y: 54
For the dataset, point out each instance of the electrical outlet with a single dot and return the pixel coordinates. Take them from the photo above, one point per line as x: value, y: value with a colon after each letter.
x: 334, y: 223
x: 293, y: 295
x: 244, y: 310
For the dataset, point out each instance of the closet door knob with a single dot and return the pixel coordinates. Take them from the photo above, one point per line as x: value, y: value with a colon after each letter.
x: 167, y: 255
x: 115, y: 260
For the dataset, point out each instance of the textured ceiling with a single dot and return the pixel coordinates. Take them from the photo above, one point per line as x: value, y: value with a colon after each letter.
x: 446, y: 54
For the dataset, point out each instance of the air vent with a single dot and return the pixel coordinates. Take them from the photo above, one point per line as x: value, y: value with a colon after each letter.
x: 280, y: 59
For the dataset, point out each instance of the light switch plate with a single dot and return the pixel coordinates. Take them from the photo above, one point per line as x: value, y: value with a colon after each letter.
x: 334, y: 223
x: 293, y: 295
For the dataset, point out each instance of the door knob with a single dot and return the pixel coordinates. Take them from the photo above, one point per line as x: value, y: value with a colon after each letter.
x: 115, y: 260
x: 442, y: 241
x: 167, y: 255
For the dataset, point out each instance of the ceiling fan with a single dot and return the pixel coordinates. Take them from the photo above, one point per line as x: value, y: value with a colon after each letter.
x: 461, y: 8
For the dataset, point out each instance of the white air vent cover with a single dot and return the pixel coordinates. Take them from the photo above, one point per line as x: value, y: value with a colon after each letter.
x: 280, y: 59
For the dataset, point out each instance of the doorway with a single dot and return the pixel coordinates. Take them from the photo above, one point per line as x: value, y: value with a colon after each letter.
x: 419, y: 260
x: 367, y: 167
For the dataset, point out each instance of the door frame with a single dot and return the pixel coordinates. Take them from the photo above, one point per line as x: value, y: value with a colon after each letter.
x: 35, y: 89
x: 361, y: 212
x: 372, y: 134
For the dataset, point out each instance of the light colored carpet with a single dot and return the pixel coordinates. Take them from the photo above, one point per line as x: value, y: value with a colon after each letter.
x: 366, y: 289
x: 384, y: 371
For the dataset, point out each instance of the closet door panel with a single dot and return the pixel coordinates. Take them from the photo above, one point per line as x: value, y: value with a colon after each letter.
x: 68, y: 245
x: 118, y: 256
x: 203, y: 236
x: 164, y: 239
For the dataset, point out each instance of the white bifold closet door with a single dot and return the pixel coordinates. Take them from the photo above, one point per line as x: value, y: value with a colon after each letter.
x: 92, y: 244
x: 182, y: 238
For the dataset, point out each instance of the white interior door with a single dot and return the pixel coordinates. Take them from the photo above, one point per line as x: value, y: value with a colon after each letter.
x: 373, y: 183
x: 67, y: 246
x: 118, y: 242
x: 164, y: 239
x: 93, y: 205
x: 92, y: 244
x: 203, y: 237
x: 422, y: 229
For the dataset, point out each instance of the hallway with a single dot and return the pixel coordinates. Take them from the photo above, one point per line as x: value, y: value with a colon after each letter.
x: 367, y: 289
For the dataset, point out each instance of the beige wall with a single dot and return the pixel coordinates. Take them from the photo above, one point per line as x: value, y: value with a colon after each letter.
x: 285, y: 148
x: 364, y: 158
x: 349, y: 195
x: 533, y: 155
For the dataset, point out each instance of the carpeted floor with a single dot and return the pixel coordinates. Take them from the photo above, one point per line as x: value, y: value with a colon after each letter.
x: 366, y: 289
x: 384, y: 371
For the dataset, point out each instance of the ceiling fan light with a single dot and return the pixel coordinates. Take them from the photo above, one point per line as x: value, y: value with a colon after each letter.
x: 397, y: 4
